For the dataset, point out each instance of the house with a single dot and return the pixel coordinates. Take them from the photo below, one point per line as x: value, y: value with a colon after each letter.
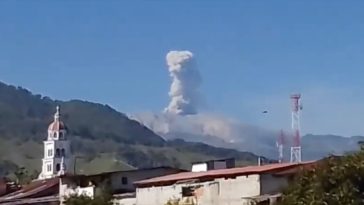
x: 57, y: 179
x: 120, y: 183
x: 240, y: 186
x: 213, y: 182
x: 55, y: 190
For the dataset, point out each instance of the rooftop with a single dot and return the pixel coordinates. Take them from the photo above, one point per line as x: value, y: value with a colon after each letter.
x: 126, y: 171
x: 232, y: 172
x: 35, y: 188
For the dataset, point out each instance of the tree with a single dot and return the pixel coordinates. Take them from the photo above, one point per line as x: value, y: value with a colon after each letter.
x: 23, y: 176
x: 335, y: 181
x: 102, y: 197
x: 86, y: 200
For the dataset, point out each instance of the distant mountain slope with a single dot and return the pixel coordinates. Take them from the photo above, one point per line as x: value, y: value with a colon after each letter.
x: 318, y: 146
x: 313, y: 146
x: 24, y: 115
x: 220, y: 132
x: 101, y: 136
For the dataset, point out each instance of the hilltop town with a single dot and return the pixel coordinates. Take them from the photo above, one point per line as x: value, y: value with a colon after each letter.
x: 209, y: 182
x: 167, y: 102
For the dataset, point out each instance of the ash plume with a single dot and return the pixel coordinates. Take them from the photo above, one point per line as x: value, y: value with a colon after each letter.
x: 186, y: 80
x: 181, y: 118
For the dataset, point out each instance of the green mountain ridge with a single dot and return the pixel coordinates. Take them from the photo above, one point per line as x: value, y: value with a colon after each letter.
x: 102, y: 138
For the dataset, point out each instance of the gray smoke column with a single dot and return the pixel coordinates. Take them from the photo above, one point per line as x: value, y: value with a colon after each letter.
x: 186, y: 80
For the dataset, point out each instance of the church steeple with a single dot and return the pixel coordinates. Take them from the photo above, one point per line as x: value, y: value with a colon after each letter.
x: 57, y: 114
x: 57, y: 129
x: 57, y: 158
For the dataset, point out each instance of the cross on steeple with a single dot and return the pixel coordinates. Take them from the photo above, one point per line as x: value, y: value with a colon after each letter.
x: 57, y: 114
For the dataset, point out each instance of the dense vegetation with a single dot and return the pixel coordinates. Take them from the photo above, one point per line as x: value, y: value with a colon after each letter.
x: 102, y: 197
x: 86, y: 200
x: 102, y: 138
x: 335, y: 181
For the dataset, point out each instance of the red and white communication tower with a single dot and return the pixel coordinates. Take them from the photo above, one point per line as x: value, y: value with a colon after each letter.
x: 296, y: 109
x: 280, y: 143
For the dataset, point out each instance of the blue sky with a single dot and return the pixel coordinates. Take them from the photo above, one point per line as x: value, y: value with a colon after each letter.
x: 251, y: 55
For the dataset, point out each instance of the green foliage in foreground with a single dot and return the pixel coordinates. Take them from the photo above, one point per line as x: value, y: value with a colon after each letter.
x: 337, y: 181
x: 23, y: 176
x: 102, y: 197
x: 86, y: 200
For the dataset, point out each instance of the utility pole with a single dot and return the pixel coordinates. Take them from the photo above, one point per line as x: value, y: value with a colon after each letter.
x: 296, y: 128
x: 280, y: 144
x: 75, y: 163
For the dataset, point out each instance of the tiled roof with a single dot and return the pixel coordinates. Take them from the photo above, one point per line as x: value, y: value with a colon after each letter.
x: 31, y: 189
x: 38, y: 200
x: 56, y: 126
x: 126, y: 171
x: 239, y: 171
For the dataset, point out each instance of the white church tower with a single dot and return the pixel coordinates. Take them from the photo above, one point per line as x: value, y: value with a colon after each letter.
x: 57, y: 158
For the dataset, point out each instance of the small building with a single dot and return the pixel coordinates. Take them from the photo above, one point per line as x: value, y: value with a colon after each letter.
x: 57, y: 180
x: 55, y: 190
x: 213, y: 165
x: 120, y: 183
x: 234, y: 186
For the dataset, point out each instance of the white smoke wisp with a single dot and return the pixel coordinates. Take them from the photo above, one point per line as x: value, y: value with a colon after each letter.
x: 212, y: 129
x: 186, y: 80
x: 199, y: 124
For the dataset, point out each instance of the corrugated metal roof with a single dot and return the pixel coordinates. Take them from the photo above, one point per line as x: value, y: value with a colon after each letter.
x: 269, y: 168
x: 124, y: 171
x: 38, y: 200
x: 31, y: 189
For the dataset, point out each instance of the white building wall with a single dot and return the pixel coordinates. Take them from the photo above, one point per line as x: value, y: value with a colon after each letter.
x: 48, y: 145
x: 68, y: 188
x: 158, y: 195
x: 51, y: 159
x: 125, y: 201
x: 232, y: 190
x: 79, y: 191
x: 201, y: 167
x: 216, y: 192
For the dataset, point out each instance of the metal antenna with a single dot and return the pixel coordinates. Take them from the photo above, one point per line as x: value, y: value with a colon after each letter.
x: 296, y: 148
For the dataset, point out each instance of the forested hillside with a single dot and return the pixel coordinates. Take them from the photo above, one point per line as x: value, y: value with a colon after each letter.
x: 103, y: 139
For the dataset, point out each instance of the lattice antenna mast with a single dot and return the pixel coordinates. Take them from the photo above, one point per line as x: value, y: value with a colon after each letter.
x: 296, y: 109
x: 280, y: 144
